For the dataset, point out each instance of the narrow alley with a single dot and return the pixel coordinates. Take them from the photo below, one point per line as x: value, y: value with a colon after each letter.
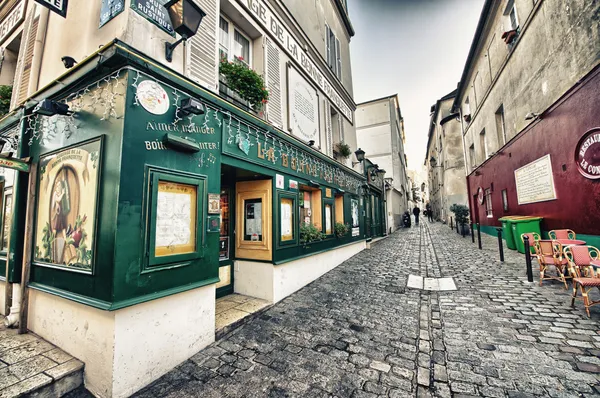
x: 359, y: 331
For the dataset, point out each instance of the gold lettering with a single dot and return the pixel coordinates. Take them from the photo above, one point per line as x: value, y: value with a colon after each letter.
x: 294, y: 163
x: 261, y: 153
x: 284, y: 160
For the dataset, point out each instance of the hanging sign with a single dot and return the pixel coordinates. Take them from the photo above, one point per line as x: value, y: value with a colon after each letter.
x: 110, y: 9
x: 58, y: 6
x: 155, y: 12
x: 587, y: 154
x: 15, y: 164
x: 12, y: 20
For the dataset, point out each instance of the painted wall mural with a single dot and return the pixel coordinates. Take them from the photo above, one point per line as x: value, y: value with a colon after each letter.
x: 66, y: 207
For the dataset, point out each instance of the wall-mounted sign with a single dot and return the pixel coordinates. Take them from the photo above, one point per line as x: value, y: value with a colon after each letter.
x: 279, y: 181
x: 58, y: 6
x: 328, y: 192
x: 176, y: 218
x: 303, y: 108
x: 480, y: 195
x: 587, y: 154
x: 155, y: 12
x: 15, y: 164
x: 153, y: 97
x: 535, y: 182
x: 12, y: 20
x: 214, y: 203
x: 214, y: 224
x: 280, y: 33
x: 110, y: 9
x: 293, y: 184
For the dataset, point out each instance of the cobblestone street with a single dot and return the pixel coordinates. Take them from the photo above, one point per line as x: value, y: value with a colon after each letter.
x: 359, y: 332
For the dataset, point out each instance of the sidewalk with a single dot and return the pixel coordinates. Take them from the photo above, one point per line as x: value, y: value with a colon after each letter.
x: 359, y: 332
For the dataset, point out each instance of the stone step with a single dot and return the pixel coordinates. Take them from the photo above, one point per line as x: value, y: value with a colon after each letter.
x: 32, y: 367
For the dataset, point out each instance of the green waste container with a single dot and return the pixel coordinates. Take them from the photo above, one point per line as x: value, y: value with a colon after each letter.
x: 523, y: 225
x: 507, y: 231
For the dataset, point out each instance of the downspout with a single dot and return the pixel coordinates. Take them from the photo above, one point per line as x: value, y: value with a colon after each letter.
x: 12, y: 319
x: 38, y: 50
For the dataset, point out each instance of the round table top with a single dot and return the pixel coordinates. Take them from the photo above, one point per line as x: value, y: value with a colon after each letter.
x: 565, y: 242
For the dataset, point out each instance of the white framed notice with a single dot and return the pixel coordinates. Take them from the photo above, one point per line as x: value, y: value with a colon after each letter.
x: 535, y: 182
x: 303, y: 108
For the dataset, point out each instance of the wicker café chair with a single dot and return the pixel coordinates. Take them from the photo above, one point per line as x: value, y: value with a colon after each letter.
x: 562, y: 234
x: 585, y: 284
x: 550, y: 254
x: 585, y: 258
x: 533, y: 238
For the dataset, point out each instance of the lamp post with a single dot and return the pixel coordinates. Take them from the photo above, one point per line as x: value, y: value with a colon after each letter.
x: 185, y: 17
x: 360, y: 156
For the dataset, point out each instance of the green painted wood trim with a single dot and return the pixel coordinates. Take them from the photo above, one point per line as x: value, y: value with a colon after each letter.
x: 287, y: 260
x: 107, y: 306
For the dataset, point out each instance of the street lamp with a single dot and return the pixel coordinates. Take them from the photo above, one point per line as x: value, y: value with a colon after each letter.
x: 360, y: 156
x: 185, y: 17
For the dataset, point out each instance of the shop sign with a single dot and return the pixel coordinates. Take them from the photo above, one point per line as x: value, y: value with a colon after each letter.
x: 587, y: 154
x: 272, y: 24
x: 293, y: 184
x: 214, y: 203
x: 58, y: 6
x: 303, y: 105
x: 12, y: 20
x: 155, y: 12
x: 535, y: 182
x: 14, y: 164
x: 110, y: 9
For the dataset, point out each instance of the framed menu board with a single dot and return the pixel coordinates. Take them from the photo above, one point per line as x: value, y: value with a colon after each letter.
x: 287, y: 219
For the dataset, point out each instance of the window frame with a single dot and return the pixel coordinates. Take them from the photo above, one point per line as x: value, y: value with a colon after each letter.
x: 280, y: 243
x: 331, y: 203
x: 232, y: 28
x: 333, y: 52
x: 505, y: 200
x: 489, y: 211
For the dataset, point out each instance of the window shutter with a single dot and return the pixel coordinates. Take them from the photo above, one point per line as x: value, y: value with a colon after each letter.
x: 23, y: 72
x: 328, y: 130
x: 202, y: 48
x: 338, y: 58
x: 273, y: 82
x: 328, y: 45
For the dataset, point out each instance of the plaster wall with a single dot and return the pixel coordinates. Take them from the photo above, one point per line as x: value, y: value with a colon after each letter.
x: 372, y: 113
x: 375, y: 140
x: 558, y: 45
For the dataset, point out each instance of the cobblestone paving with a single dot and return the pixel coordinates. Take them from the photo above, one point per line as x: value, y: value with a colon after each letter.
x: 357, y: 332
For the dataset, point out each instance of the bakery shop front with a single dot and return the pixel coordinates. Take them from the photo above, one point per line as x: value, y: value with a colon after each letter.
x: 150, y: 197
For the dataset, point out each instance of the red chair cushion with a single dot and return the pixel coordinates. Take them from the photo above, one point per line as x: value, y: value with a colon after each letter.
x: 549, y: 260
x: 588, y: 281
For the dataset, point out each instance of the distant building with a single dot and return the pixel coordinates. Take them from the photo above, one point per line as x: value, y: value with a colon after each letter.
x: 444, y: 160
x: 529, y: 103
x: 380, y: 133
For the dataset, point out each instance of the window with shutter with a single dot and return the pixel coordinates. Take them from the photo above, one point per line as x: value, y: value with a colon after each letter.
x: 338, y: 59
x: 329, y: 130
x: 273, y: 81
x: 26, y: 58
x: 202, y: 48
x: 328, y: 45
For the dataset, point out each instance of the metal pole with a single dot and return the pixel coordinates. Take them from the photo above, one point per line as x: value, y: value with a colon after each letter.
x: 451, y: 227
x: 472, y: 234
x: 528, y: 258
x: 500, y: 247
x: 479, y: 235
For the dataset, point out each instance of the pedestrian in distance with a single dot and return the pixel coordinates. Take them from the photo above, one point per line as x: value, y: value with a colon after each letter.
x: 416, y: 212
x: 429, y: 213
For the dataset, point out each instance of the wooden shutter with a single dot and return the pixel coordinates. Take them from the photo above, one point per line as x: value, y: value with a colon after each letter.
x: 273, y: 82
x: 328, y: 130
x: 328, y: 45
x: 338, y: 58
x: 27, y: 62
x: 202, y: 48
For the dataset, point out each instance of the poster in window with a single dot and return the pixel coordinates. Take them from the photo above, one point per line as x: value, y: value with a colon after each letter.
x: 176, y: 218
x: 224, y: 248
x: 7, y: 221
x: 328, y: 223
x: 355, y: 218
x: 66, y: 207
x: 287, y: 219
x: 253, y: 220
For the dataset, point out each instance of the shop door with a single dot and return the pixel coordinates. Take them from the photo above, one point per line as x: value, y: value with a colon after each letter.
x: 253, y: 220
x: 226, y: 246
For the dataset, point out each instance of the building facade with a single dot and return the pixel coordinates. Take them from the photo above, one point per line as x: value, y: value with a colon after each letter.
x: 380, y: 133
x: 528, y: 101
x: 445, y: 160
x: 150, y: 185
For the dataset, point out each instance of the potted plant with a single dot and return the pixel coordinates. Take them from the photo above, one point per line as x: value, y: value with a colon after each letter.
x: 343, y: 150
x: 249, y: 85
x: 310, y: 233
x: 461, y: 215
x: 341, y: 229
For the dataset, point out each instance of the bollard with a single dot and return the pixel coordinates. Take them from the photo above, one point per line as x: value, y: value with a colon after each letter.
x: 479, y: 235
x: 457, y: 228
x: 462, y: 230
x: 528, y: 259
x: 500, y: 247
x: 451, y: 227
x: 472, y: 234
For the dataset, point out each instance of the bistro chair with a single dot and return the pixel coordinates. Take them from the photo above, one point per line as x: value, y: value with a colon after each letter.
x: 562, y: 234
x: 550, y: 254
x: 585, y: 259
x: 585, y: 284
x: 533, y: 238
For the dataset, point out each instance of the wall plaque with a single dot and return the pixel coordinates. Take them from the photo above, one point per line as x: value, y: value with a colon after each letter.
x: 155, y: 12
x: 58, y: 6
x: 109, y: 10
x: 587, y: 154
x: 214, y: 203
x: 303, y: 109
x: 535, y: 182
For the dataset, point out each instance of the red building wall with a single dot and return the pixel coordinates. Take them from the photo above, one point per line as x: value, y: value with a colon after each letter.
x: 557, y: 133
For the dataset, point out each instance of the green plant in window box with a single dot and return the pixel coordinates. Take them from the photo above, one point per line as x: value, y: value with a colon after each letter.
x: 343, y: 150
x: 310, y: 233
x: 341, y: 229
x: 246, y: 82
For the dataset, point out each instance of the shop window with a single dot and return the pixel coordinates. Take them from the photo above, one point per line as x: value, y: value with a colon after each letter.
x: 224, y: 228
x: 504, y: 200
x: 6, y: 219
x: 339, y: 209
x: 328, y: 217
x: 253, y: 220
x: 309, y: 204
x: 287, y: 219
x: 175, y: 225
x: 488, y: 203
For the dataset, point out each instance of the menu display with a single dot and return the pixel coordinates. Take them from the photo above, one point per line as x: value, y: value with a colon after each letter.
x: 253, y: 220
x: 175, y: 219
x: 287, y: 219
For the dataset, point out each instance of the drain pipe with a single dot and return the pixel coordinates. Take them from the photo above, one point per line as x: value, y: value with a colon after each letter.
x: 12, y: 319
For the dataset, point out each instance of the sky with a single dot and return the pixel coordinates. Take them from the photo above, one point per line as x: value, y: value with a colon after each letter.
x: 415, y: 48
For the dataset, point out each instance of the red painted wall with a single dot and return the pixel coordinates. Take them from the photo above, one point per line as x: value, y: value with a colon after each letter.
x: 557, y: 133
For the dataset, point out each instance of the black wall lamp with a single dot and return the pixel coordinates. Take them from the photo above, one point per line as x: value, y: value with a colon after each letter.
x: 360, y: 156
x: 185, y: 17
x: 191, y: 106
x: 48, y: 107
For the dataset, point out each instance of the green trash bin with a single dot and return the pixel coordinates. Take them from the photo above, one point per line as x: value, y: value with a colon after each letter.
x: 523, y: 225
x: 507, y: 231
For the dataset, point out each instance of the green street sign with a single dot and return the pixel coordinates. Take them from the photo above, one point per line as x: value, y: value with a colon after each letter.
x: 16, y: 164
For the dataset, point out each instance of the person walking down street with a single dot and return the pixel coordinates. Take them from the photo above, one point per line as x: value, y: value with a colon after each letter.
x: 416, y: 212
x: 429, y: 213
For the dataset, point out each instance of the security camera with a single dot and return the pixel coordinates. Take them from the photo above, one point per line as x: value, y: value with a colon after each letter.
x: 69, y: 62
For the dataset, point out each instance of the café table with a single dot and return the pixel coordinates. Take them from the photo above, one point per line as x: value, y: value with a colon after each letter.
x: 570, y: 242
